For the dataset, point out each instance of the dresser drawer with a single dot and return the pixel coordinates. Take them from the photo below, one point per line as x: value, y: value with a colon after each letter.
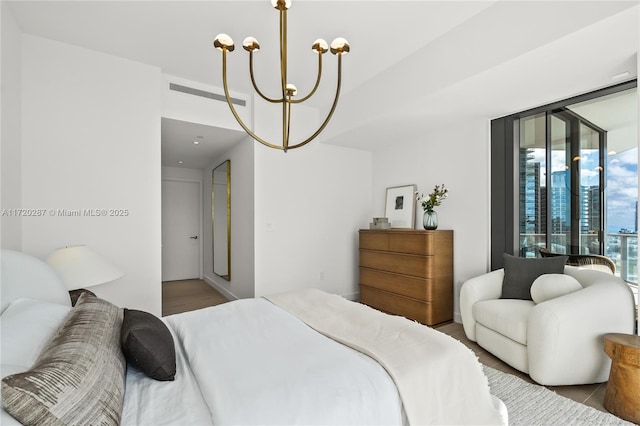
x: 396, y: 305
x: 417, y: 288
x: 429, y: 313
x: 417, y: 266
x: 410, y: 242
x: 374, y: 240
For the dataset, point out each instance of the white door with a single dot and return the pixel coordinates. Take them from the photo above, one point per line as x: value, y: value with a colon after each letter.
x: 180, y: 230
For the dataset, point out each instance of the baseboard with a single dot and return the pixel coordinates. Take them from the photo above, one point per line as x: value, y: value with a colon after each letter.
x: 226, y: 293
x: 457, y: 317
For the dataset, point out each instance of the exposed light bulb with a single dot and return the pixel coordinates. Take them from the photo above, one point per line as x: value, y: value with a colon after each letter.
x: 339, y: 45
x: 223, y: 41
x: 250, y: 44
x: 291, y: 89
x: 320, y: 46
x: 281, y: 4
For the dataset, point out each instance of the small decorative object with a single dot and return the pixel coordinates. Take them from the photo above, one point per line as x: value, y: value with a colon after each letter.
x: 399, y: 207
x: 380, y: 223
x: 430, y: 218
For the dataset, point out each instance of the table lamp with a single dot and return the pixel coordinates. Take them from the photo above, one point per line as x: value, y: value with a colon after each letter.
x: 79, y: 267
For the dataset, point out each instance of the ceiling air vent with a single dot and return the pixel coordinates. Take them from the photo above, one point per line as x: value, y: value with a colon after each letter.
x: 204, y: 94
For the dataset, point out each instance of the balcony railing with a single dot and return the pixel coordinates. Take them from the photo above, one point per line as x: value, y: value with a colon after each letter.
x: 622, y: 248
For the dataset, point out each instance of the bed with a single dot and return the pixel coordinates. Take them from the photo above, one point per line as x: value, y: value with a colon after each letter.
x: 304, y: 357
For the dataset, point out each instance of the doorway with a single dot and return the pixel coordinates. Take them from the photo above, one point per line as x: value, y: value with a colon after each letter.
x: 181, y: 230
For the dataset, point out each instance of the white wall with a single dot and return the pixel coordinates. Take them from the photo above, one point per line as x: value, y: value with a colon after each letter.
x: 181, y: 173
x: 309, y: 204
x: 91, y: 140
x: 10, y: 133
x: 459, y: 158
x: 196, y: 109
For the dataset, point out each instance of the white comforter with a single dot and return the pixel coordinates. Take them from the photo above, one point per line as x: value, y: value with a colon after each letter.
x: 249, y: 362
x: 439, y: 379
x: 257, y: 364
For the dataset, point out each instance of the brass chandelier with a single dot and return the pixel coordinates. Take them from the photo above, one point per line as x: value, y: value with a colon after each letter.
x: 338, y: 47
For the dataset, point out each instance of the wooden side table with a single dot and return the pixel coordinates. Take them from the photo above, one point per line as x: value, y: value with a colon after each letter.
x: 623, y: 390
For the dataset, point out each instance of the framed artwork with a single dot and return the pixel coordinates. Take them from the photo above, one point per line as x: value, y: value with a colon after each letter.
x: 400, y: 206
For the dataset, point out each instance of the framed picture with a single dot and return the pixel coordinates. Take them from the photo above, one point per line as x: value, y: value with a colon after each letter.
x: 400, y: 206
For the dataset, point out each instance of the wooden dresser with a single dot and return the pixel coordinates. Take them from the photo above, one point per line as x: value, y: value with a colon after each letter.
x: 408, y: 273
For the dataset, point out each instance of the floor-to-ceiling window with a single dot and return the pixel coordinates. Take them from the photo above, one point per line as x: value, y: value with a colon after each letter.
x: 562, y: 182
x: 565, y: 177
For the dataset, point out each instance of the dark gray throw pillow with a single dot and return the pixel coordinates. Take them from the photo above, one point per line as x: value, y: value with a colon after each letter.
x: 520, y: 273
x: 148, y: 345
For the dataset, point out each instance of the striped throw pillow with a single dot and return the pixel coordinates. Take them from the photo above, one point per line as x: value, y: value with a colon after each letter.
x: 79, y: 377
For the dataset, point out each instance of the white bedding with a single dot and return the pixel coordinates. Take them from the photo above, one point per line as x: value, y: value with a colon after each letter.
x: 150, y: 402
x: 245, y: 362
x: 439, y: 380
x: 257, y: 364
x: 252, y: 359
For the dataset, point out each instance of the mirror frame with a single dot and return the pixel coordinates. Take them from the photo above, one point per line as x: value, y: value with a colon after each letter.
x: 226, y: 276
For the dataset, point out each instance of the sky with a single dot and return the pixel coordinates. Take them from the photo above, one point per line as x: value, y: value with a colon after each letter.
x: 622, y: 190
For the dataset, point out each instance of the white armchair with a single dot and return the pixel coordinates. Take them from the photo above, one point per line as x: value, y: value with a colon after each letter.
x: 557, y: 341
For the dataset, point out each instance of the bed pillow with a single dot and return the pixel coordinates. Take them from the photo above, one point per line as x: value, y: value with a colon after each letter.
x: 148, y: 345
x: 26, y: 327
x: 550, y: 286
x: 78, y: 379
x: 520, y: 272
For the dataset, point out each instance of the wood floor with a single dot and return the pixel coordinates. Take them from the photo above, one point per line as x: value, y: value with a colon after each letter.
x: 591, y: 395
x: 188, y: 295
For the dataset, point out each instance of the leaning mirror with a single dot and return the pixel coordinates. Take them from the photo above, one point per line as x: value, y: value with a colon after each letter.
x: 221, y: 219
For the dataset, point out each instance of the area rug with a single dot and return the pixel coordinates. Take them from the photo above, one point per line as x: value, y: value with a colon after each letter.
x: 535, y: 405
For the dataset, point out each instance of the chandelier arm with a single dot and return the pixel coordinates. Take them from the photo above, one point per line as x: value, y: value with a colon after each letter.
x: 285, y: 142
x: 283, y: 77
x: 233, y: 110
x: 255, y: 86
x: 297, y: 101
x: 333, y: 108
x: 285, y: 135
x: 283, y: 53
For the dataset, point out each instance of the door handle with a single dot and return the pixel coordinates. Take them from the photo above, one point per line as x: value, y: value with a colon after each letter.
x: 194, y: 237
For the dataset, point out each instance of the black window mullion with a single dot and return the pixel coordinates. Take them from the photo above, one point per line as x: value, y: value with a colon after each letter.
x: 547, y: 179
x: 505, y: 183
x: 574, y: 145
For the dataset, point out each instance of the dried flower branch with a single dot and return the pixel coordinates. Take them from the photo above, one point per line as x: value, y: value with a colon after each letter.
x: 435, y: 198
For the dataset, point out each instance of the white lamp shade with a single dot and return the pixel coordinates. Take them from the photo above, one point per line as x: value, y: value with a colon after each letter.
x: 80, y: 267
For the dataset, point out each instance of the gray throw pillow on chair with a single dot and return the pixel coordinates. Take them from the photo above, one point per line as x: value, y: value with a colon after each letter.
x: 520, y: 273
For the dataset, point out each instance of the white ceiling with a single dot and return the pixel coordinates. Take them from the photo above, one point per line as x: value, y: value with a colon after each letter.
x: 179, y: 149
x: 413, y: 64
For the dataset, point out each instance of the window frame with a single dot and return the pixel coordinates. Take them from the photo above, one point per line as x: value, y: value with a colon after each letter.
x: 505, y: 177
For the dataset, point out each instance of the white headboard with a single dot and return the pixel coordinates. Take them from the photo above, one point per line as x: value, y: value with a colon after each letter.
x: 23, y: 275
